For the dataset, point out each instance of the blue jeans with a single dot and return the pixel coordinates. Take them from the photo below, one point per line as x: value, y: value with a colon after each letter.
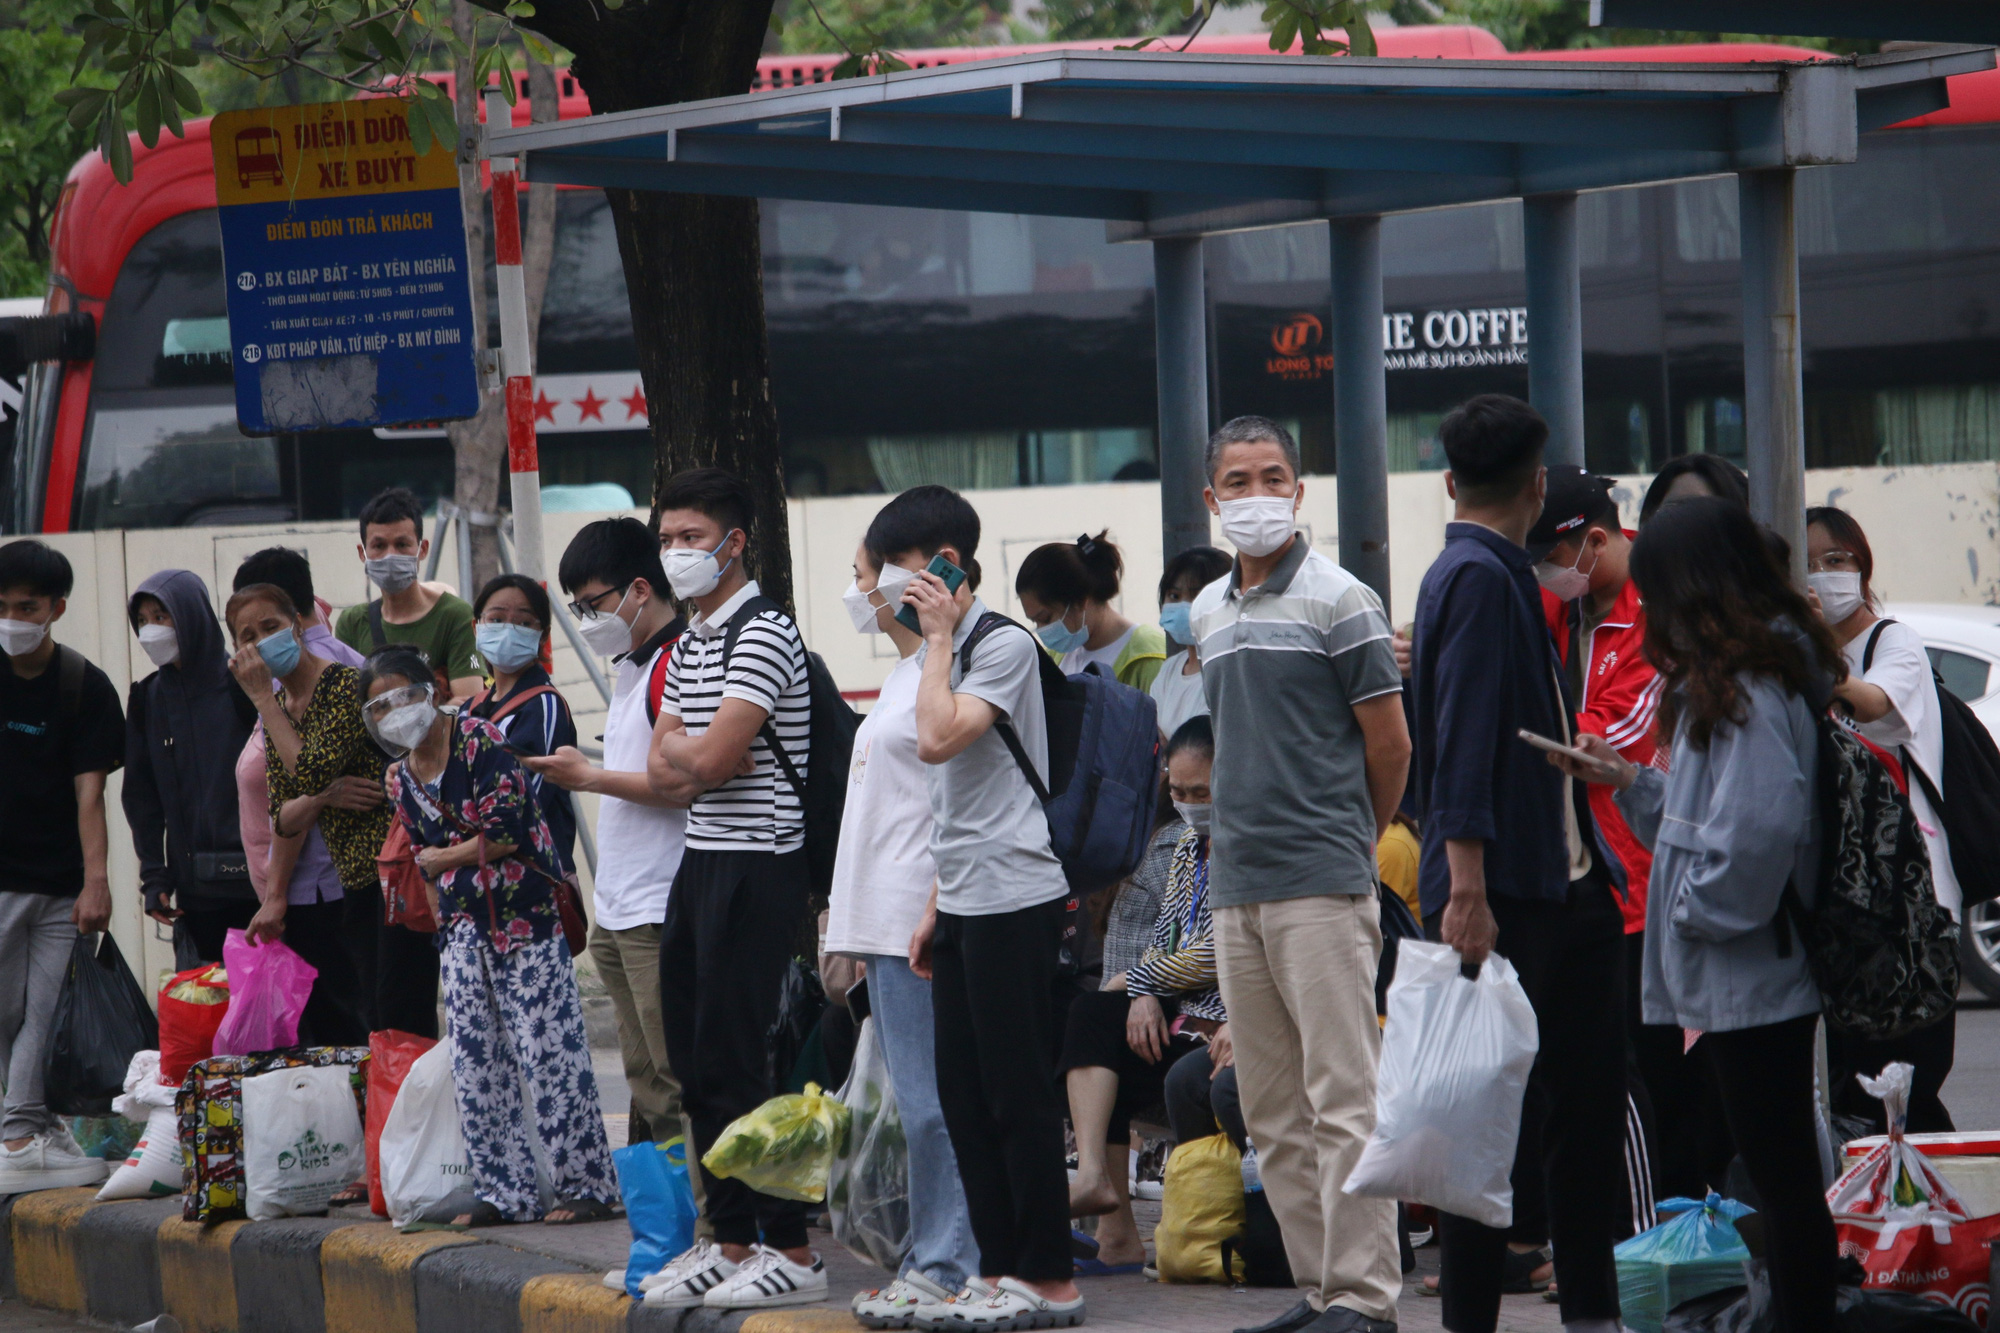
x: 941, y: 1244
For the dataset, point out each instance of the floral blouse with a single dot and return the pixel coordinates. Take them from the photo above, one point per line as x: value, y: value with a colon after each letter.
x: 1180, y: 963
x: 333, y: 743
x: 484, y: 789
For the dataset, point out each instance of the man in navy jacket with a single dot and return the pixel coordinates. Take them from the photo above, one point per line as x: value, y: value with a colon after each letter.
x: 1509, y: 866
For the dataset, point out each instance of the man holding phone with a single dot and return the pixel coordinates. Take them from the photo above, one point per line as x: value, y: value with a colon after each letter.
x: 1539, y: 894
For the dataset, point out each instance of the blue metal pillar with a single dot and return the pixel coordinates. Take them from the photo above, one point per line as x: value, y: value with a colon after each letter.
x: 1180, y: 338
x: 1774, y: 423
x: 1555, y: 321
x: 1361, y: 402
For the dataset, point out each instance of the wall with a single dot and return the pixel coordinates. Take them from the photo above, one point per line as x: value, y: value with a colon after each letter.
x: 1935, y: 531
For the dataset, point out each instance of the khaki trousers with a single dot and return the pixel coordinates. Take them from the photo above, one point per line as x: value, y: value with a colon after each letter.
x: 1298, y: 978
x: 628, y: 962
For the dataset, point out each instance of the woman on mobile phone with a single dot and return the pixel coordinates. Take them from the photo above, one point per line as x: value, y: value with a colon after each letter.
x: 511, y: 624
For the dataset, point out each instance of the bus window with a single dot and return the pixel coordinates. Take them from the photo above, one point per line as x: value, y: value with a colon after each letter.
x: 34, y: 434
x: 153, y: 466
x: 167, y: 322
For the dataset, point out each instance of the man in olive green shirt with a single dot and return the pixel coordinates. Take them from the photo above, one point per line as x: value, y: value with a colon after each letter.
x: 410, y: 612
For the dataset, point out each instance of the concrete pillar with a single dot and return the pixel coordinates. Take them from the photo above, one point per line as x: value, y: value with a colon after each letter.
x: 1180, y: 337
x: 1555, y: 321
x: 1774, y: 423
x: 1361, y: 402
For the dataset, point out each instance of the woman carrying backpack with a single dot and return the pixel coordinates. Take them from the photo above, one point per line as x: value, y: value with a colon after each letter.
x: 511, y: 624
x: 1891, y: 696
x: 1749, y: 671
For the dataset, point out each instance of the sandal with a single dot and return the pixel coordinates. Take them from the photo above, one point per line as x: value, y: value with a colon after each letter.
x: 444, y: 1216
x: 581, y: 1210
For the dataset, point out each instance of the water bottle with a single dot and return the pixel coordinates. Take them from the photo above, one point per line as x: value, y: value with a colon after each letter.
x: 1253, y: 1180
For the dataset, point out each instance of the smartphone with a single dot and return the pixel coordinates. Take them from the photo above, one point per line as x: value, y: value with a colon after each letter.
x: 1541, y: 742
x: 857, y: 1001
x: 944, y: 569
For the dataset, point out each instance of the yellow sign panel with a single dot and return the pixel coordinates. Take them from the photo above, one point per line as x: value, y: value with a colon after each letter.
x: 323, y: 150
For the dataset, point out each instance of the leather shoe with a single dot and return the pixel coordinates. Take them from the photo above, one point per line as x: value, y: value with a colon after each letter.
x: 1340, y: 1319
x: 1291, y: 1321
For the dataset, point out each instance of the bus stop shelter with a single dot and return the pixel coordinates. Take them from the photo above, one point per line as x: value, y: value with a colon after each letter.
x: 1168, y: 148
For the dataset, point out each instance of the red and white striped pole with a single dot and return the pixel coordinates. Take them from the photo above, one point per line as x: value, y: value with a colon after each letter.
x: 523, y: 459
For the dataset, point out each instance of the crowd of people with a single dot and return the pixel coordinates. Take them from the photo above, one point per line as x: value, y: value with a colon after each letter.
x: 1317, y: 764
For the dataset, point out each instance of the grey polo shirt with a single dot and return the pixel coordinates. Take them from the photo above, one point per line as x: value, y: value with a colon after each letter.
x: 1283, y: 665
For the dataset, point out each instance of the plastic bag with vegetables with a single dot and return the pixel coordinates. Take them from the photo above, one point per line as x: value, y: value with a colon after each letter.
x: 785, y: 1147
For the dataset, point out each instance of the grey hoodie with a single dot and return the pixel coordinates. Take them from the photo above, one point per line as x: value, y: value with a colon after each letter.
x: 184, y: 727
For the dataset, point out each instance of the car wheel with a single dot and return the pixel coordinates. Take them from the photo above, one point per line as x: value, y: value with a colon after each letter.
x: 1979, y: 949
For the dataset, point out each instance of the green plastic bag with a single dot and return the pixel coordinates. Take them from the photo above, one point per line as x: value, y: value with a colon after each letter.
x: 785, y: 1147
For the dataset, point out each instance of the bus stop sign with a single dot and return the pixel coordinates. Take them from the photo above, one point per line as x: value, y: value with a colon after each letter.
x: 349, y: 281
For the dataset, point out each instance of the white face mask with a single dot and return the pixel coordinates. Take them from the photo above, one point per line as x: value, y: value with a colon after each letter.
x: 1839, y: 593
x: 18, y: 638
x: 1258, y: 524
x: 160, y: 644
x: 1565, y: 583
x: 862, y: 606
x: 1196, y: 816
x: 609, y: 635
x: 692, y: 572
x: 404, y: 728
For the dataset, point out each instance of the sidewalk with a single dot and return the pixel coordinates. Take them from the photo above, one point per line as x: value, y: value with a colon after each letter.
x: 123, y: 1263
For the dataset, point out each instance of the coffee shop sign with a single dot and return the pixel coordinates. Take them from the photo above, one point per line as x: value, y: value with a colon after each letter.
x: 1411, y: 340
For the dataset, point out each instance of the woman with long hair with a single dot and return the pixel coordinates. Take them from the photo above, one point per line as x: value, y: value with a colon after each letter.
x: 1749, y: 670
x: 1067, y: 590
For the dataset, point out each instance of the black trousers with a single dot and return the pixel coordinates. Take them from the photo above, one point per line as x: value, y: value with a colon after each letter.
x: 992, y: 999
x: 1199, y: 1099
x: 208, y: 924
x: 397, y: 967
x: 731, y: 920
x: 336, y: 1012
x: 1571, y: 961
x: 1931, y: 1050
x: 1679, y: 1093
x: 1766, y: 1079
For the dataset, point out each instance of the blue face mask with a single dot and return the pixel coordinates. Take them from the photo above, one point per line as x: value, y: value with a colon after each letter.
x: 1060, y: 639
x: 280, y: 652
x: 507, y: 647
x: 1174, y: 619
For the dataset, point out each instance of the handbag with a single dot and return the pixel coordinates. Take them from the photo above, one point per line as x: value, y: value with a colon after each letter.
x: 406, y: 901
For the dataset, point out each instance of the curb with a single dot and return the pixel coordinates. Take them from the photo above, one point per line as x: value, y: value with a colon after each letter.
x: 123, y: 1263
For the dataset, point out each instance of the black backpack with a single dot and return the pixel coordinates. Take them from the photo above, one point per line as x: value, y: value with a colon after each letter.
x: 1971, y: 818
x: 1883, y: 952
x: 822, y: 788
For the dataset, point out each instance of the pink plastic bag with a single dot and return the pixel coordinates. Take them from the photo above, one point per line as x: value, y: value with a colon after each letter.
x: 268, y: 986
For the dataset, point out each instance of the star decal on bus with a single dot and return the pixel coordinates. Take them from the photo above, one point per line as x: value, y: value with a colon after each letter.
x: 590, y: 405
x: 635, y: 406
x: 545, y: 408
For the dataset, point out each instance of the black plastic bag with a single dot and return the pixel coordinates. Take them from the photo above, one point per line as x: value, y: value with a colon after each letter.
x: 1747, y: 1309
x: 800, y: 1000
x: 102, y: 1020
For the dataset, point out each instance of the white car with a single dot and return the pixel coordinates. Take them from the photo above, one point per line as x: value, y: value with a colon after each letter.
x: 1964, y: 644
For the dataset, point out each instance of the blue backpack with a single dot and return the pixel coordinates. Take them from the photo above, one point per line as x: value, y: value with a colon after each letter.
x: 1104, y: 766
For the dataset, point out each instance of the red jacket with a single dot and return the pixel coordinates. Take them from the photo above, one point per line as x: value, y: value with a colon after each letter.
x: 1621, y: 696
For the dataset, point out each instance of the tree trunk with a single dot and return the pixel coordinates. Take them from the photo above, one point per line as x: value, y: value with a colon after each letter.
x: 478, y: 445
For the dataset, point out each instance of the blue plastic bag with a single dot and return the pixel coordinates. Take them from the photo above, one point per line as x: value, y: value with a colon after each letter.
x: 659, y: 1205
x: 1691, y: 1254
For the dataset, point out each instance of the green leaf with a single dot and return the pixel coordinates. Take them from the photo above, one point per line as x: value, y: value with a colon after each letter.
x: 146, y: 111
x: 420, y: 125
x: 85, y: 104
x: 170, y: 116
x: 777, y: 24
x: 1360, y: 37
x: 537, y: 47
x: 182, y: 56
x: 184, y: 93
x: 385, y: 41
x: 116, y: 147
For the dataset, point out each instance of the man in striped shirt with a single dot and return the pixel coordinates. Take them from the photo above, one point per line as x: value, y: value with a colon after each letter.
x: 735, y: 687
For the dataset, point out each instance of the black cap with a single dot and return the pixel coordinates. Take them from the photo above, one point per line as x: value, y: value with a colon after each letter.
x: 1575, y: 499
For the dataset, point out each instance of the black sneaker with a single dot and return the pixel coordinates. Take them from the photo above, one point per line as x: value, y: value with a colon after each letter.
x: 1291, y: 1321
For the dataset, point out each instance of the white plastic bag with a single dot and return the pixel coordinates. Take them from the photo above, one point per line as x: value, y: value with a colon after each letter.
x: 868, y: 1191
x: 423, y: 1145
x: 154, y: 1168
x: 1455, y: 1061
x: 144, y: 1093
x: 302, y: 1140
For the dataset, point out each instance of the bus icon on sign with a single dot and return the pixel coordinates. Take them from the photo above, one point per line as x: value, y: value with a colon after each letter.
x: 259, y: 156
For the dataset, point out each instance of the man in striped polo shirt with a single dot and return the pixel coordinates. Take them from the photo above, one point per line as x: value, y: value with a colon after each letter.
x: 1311, y: 752
x: 736, y: 686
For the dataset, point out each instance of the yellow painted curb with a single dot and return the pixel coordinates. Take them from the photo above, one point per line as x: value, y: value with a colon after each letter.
x: 196, y: 1281
x: 366, y: 1273
x: 799, y: 1321
x: 572, y: 1303
x: 45, y: 1263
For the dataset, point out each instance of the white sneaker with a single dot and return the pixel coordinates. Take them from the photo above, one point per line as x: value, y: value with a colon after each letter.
x: 935, y: 1316
x: 682, y: 1284
x: 615, y: 1279
x: 50, y: 1160
x: 896, y: 1305
x: 768, y: 1279
x: 1016, y: 1305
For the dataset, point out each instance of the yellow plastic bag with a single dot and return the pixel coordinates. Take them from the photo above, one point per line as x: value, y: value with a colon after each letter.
x: 786, y: 1146
x: 1202, y: 1207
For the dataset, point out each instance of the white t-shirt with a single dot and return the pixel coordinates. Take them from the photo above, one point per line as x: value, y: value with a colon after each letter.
x: 1914, y: 724
x: 989, y: 836
x: 1076, y: 659
x: 638, y: 846
x: 883, y: 872
x: 1177, y: 697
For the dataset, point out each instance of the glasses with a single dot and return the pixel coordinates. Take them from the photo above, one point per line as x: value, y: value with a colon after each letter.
x: 1833, y: 562
x: 588, y: 608
x: 389, y: 701
x: 525, y: 619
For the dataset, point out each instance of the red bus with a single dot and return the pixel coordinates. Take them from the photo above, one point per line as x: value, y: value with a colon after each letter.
x: 994, y: 350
